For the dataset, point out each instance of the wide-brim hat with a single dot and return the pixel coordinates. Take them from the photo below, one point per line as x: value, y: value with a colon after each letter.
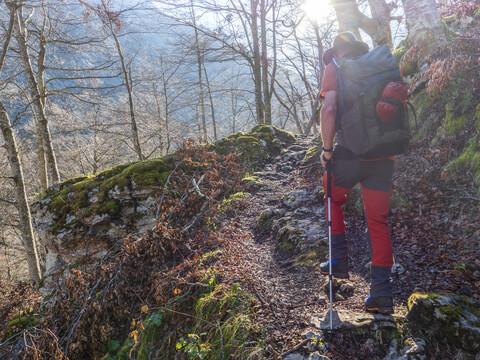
x: 344, y: 40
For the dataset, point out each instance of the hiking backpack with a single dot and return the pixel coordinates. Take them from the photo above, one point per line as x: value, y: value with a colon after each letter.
x: 372, y: 116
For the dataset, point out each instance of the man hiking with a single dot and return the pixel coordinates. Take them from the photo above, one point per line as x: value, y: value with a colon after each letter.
x: 374, y: 173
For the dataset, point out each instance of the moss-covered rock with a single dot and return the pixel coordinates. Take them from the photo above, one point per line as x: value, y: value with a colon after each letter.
x: 79, y: 219
x: 312, y: 155
x: 408, y: 63
x: 399, y: 52
x: 454, y: 122
x: 258, y: 146
x: 468, y: 162
x: 452, y: 319
x: 265, y: 219
x: 252, y: 181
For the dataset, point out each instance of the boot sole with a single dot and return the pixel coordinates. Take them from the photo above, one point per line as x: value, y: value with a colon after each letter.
x: 337, y: 275
x: 380, y: 311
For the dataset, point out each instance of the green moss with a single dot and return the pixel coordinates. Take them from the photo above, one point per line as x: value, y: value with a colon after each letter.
x: 227, y: 321
x: 399, y: 52
x: 19, y: 324
x: 73, y: 197
x: 257, y: 146
x: 453, y: 122
x: 287, y: 238
x: 468, y: 162
x: 408, y: 67
x: 251, y: 179
x: 265, y: 221
x: 312, y: 155
x: 314, y: 257
x: 415, y: 296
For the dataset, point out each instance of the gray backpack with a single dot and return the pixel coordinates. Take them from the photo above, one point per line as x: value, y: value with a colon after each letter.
x: 361, y: 81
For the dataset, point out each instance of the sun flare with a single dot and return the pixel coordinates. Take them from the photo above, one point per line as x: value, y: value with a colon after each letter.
x: 317, y: 10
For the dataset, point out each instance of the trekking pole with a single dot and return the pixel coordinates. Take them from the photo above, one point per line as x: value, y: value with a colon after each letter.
x: 329, y: 221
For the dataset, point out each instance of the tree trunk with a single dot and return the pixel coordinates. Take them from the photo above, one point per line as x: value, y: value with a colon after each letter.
x: 346, y: 16
x: 42, y: 163
x: 423, y: 20
x: 381, y: 32
x: 212, y: 108
x: 200, y: 79
x: 128, y: 85
x: 257, y: 70
x: 21, y: 204
x: 20, y: 34
x: 264, y: 62
x: 350, y: 18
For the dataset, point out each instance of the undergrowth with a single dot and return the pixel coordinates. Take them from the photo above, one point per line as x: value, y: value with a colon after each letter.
x: 158, y: 295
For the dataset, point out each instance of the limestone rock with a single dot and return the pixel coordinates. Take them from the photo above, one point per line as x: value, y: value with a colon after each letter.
x: 452, y: 319
x: 294, y: 356
x: 413, y: 350
x: 317, y: 356
x: 380, y: 327
x: 257, y: 147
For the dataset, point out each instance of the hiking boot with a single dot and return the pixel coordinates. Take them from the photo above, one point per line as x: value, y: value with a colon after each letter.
x: 339, y: 268
x: 379, y: 304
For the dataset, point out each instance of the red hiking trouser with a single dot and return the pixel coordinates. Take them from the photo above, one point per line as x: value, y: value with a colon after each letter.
x: 375, y: 177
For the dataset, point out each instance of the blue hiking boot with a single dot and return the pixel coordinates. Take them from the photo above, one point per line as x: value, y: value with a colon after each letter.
x: 339, y: 268
x: 379, y: 304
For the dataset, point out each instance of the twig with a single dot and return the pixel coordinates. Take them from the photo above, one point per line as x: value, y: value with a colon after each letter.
x: 80, y: 315
x: 295, y: 348
x: 197, y: 217
x: 259, y: 298
x: 165, y: 187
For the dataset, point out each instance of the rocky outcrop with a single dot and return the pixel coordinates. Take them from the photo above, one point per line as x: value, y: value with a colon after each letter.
x: 80, y: 219
x: 452, y: 319
x: 299, y: 226
x: 257, y: 147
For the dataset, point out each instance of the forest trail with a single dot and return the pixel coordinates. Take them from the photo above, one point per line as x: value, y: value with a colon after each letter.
x: 291, y: 295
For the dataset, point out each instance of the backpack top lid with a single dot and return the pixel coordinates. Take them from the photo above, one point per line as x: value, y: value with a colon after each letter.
x: 374, y: 62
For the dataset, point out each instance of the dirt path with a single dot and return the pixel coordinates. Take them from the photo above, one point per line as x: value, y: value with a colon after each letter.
x: 290, y: 295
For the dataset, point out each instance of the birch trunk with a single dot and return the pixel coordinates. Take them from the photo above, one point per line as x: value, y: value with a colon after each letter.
x: 257, y: 70
x: 200, y: 79
x: 264, y: 62
x: 42, y: 163
x: 212, y: 108
x: 43, y: 128
x: 21, y: 203
x: 128, y: 86
x: 423, y: 20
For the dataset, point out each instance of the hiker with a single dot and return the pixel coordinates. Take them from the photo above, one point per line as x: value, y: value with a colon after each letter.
x: 348, y: 169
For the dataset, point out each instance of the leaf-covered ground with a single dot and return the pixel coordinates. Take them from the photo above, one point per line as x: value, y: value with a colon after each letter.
x: 435, y: 239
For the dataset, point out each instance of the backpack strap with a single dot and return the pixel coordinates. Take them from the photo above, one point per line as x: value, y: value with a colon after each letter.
x: 335, y: 63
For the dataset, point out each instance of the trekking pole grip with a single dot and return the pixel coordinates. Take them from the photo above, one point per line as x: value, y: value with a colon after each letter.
x: 329, y: 177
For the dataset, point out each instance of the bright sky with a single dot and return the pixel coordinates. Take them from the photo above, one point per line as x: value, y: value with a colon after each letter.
x: 317, y: 10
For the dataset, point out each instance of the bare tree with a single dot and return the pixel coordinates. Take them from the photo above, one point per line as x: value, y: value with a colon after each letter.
x: 43, y: 128
x: 112, y: 23
x: 350, y: 18
x: 21, y: 202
